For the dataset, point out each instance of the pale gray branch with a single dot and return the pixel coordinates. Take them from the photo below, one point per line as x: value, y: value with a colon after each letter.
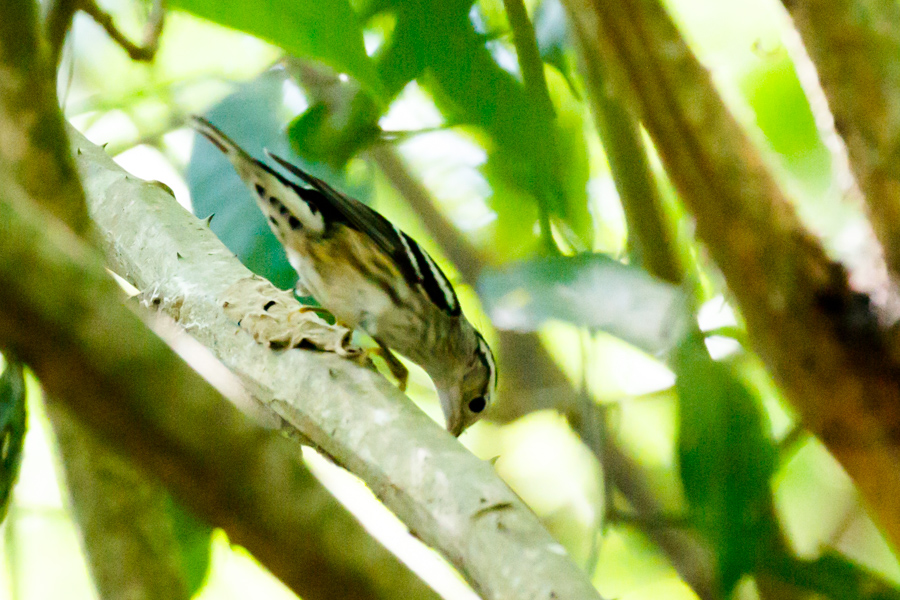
x: 448, y: 498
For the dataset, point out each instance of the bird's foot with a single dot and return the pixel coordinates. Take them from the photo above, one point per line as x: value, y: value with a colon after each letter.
x: 394, y: 365
x: 319, y: 310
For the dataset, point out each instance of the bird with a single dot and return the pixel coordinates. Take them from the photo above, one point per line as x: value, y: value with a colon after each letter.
x: 371, y: 276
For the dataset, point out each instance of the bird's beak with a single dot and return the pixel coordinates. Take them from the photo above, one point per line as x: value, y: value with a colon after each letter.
x: 451, y: 405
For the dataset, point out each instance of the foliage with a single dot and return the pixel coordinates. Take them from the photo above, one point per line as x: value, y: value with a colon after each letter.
x: 12, y: 430
x: 522, y: 179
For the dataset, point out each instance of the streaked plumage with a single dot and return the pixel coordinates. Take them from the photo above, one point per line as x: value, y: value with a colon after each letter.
x: 371, y: 275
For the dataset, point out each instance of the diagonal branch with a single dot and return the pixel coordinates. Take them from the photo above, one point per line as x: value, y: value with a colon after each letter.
x: 63, y: 315
x: 650, y: 234
x: 146, y: 50
x: 854, y: 45
x: 125, y: 517
x: 448, y: 498
x: 816, y: 336
x: 31, y: 127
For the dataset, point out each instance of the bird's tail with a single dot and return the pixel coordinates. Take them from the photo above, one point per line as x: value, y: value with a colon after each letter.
x: 289, y: 211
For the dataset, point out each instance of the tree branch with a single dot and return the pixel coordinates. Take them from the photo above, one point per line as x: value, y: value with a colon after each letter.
x: 124, y: 516
x: 447, y: 497
x: 816, y: 336
x: 31, y: 127
x: 535, y: 84
x: 649, y: 230
x: 62, y: 315
x: 532, y: 381
x: 144, y: 52
x: 59, y: 22
x: 855, y: 44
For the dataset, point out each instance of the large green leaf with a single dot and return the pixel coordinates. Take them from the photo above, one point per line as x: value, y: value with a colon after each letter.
x: 589, y: 290
x: 727, y: 457
x: 785, y: 117
x: 194, y: 539
x: 12, y: 430
x: 326, y: 31
x: 532, y: 156
x: 835, y: 576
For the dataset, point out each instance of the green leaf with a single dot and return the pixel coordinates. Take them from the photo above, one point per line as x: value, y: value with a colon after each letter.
x: 12, y: 431
x: 727, y: 458
x: 551, y: 33
x: 526, y: 144
x: 589, y: 290
x: 835, y: 576
x: 194, y: 539
x: 784, y: 116
x: 338, y: 126
x: 532, y: 157
x: 326, y: 31
x: 325, y: 134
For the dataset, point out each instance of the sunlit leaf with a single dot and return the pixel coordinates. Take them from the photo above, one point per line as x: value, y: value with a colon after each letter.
x: 784, y: 116
x: 332, y: 132
x: 12, y: 430
x: 194, y: 539
x: 726, y: 457
x: 326, y: 31
x: 550, y: 31
x: 835, y: 576
x: 589, y: 290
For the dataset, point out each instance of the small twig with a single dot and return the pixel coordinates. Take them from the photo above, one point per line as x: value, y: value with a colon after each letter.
x: 647, y: 522
x: 59, y: 21
x: 152, y: 31
x: 651, y: 234
x: 536, y: 89
x: 729, y: 331
x: 792, y: 440
x: 151, y: 138
x: 529, y: 56
x: 593, y: 432
x: 399, y: 135
x: 851, y: 515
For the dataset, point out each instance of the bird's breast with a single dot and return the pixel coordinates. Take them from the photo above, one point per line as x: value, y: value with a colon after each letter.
x: 363, y: 289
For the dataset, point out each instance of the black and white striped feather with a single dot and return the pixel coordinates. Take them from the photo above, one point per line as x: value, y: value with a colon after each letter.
x: 413, y: 261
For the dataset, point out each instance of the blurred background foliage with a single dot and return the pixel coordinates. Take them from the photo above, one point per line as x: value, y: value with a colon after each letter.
x: 475, y: 134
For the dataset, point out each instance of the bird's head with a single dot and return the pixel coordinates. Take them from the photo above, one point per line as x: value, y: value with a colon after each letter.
x: 469, y: 392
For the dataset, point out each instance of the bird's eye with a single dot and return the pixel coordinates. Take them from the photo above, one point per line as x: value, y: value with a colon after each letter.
x: 477, y: 405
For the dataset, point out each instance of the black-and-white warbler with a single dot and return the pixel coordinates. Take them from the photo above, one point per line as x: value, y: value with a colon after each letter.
x: 371, y: 275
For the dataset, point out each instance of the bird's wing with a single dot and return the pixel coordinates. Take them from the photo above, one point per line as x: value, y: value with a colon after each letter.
x: 415, y: 264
